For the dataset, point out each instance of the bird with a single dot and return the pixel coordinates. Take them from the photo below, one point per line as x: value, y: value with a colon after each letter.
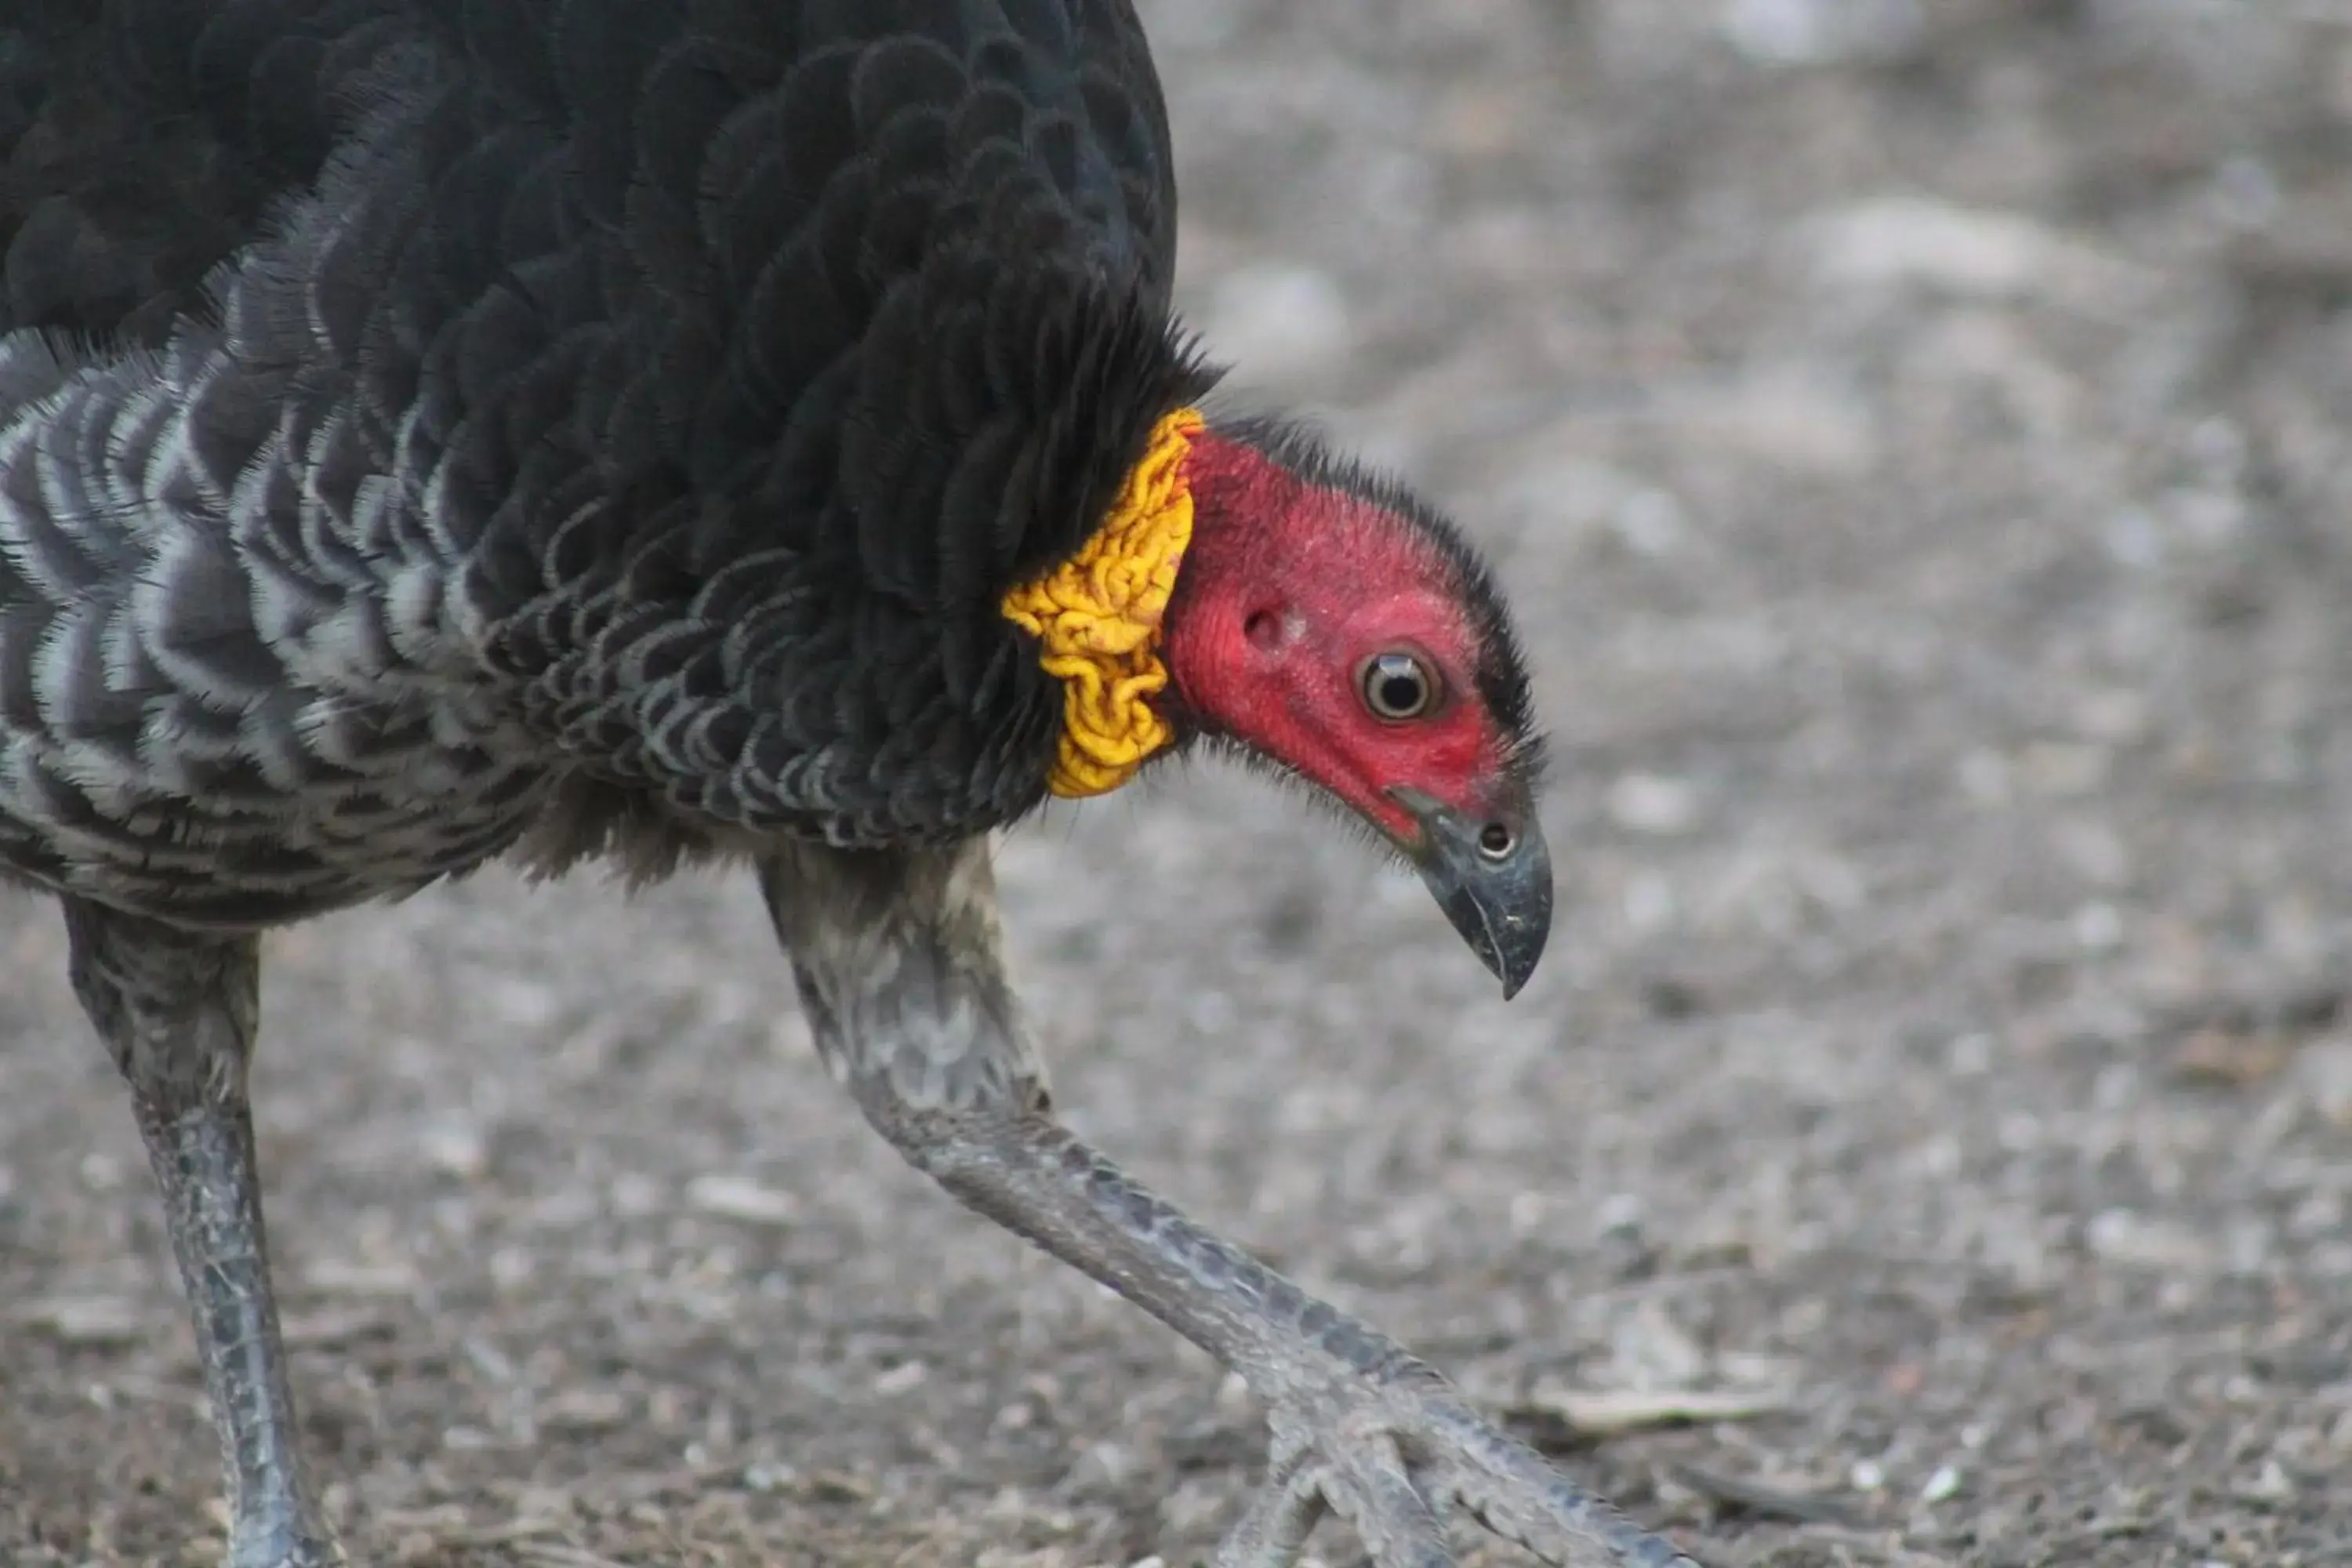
x: 656, y: 433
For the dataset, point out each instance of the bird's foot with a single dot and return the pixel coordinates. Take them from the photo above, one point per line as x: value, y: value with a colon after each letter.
x: 1395, y: 1452
x: 280, y: 1538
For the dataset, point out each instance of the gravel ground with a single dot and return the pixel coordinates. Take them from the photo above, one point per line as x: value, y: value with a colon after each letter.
x: 1915, y: 432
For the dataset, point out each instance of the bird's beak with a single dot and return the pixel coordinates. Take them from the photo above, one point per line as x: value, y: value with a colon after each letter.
x: 1491, y: 875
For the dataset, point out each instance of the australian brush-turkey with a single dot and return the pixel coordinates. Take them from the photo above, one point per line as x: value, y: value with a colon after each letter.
x: 662, y: 430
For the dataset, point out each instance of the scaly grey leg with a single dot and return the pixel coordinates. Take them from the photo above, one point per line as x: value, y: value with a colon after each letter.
x: 179, y: 1011
x: 897, y: 960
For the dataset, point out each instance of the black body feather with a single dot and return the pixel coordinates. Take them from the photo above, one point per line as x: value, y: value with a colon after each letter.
x: 431, y: 425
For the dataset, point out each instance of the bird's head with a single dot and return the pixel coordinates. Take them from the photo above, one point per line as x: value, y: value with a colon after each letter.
x: 1326, y: 621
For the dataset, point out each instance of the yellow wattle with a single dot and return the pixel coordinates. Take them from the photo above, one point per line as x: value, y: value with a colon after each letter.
x: 1096, y: 617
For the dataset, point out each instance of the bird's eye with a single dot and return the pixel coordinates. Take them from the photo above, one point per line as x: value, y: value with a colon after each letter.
x: 1399, y: 686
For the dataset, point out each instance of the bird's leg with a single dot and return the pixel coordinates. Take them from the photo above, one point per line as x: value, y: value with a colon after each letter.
x: 179, y: 1010
x: 897, y: 959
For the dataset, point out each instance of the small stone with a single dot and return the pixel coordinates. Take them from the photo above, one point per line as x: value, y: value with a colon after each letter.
x: 2063, y: 770
x: 1967, y: 253
x: 900, y: 1379
x: 2117, y: 716
x: 584, y: 1410
x: 1796, y: 422
x: 511, y: 1267
x: 1987, y: 778
x: 1970, y: 1056
x: 338, y: 1278
x: 741, y: 1199
x: 839, y: 1485
x: 2326, y: 1074
x: 456, y: 1148
x: 2097, y: 851
x: 1102, y: 1467
x: 2230, y: 1058
x: 1788, y: 33
x: 519, y: 1003
x: 90, y: 1320
x: 1654, y: 1352
x: 2248, y: 1243
x: 1653, y: 804
x: 2098, y: 927
x: 2118, y: 1235
x: 1213, y: 1012
x: 1867, y: 1476
x: 769, y: 1475
x: 1622, y: 1212
x: 635, y: 1196
x: 1943, y: 1484
x: 541, y: 1510
x: 332, y: 1327
x: 2273, y: 1485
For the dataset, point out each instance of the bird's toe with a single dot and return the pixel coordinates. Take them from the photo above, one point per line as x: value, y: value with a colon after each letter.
x: 1361, y: 1477
x: 1396, y: 1457
x: 1517, y: 1494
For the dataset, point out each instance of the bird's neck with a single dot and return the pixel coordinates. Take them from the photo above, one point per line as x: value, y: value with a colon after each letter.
x: 1189, y: 518
x: 1248, y: 508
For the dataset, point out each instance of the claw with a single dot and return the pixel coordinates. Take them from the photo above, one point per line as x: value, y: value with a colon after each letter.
x: 1395, y: 1458
x: 1445, y: 1495
x: 1396, y: 1522
x: 1273, y: 1531
x: 1519, y: 1496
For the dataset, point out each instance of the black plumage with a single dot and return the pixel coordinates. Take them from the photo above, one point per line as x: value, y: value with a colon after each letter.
x: 638, y: 410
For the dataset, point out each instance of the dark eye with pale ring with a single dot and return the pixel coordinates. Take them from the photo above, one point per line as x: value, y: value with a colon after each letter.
x: 1398, y: 685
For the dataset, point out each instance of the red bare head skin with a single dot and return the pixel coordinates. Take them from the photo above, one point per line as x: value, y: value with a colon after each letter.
x: 1299, y: 578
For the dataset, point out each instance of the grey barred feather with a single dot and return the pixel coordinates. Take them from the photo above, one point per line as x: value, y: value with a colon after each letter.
x: 601, y: 425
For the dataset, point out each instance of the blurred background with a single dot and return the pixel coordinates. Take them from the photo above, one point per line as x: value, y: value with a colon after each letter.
x: 1917, y: 438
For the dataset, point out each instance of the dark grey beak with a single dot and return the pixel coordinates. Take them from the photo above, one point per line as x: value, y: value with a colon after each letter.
x: 1491, y: 876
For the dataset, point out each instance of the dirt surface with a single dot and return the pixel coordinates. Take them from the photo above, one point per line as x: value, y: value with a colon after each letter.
x: 1918, y: 436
